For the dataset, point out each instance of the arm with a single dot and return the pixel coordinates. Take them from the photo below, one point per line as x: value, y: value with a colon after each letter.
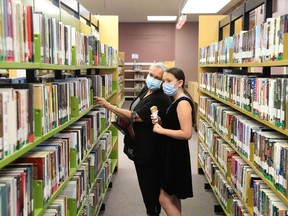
x: 118, y: 111
x: 184, y: 112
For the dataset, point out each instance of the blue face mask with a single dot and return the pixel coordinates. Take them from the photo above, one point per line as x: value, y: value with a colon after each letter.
x: 169, y: 89
x: 152, y: 83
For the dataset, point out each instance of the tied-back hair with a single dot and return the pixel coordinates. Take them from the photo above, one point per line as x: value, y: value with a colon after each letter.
x: 179, y: 74
x: 158, y: 65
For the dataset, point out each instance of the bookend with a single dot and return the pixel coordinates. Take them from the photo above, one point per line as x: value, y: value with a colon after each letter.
x: 72, y: 207
x: 74, y: 104
x: 37, y: 52
x: 38, y: 122
x: 73, y: 50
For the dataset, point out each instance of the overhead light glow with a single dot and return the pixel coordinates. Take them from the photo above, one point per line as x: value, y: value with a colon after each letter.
x: 203, y: 6
x: 181, y: 21
x: 161, y: 18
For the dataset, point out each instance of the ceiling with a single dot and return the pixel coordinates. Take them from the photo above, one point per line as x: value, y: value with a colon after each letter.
x: 137, y: 10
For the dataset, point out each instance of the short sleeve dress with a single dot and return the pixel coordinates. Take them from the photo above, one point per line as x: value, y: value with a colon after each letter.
x: 176, y: 176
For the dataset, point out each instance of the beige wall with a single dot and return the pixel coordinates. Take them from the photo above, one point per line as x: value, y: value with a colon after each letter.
x: 186, y: 50
x: 162, y: 42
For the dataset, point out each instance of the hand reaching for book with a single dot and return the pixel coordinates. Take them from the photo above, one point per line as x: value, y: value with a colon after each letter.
x: 101, y: 101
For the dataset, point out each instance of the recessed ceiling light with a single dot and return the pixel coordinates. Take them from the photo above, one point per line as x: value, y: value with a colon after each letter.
x: 161, y: 18
x: 203, y: 6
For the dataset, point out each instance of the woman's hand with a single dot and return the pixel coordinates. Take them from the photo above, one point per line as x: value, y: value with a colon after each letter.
x: 101, y: 101
x: 155, y: 119
x: 158, y: 128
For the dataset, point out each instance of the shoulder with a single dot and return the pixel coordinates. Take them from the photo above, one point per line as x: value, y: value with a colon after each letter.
x: 184, y: 102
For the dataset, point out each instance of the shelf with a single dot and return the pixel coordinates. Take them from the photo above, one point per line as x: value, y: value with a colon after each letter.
x: 35, y: 65
x: 18, y: 65
x: 27, y: 147
x: 250, y: 211
x: 92, y: 185
x: 132, y: 90
x: 72, y: 172
x: 10, y: 158
x: 111, y: 95
x: 283, y: 131
x: 252, y: 64
x: 136, y: 71
x: 271, y: 186
x: 130, y: 97
x: 120, y: 104
x: 138, y: 63
x: 213, y: 189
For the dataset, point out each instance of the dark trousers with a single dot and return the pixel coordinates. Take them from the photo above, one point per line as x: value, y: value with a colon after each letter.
x: 148, y: 179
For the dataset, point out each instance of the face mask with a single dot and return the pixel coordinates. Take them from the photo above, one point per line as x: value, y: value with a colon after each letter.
x: 169, y: 89
x: 152, y: 83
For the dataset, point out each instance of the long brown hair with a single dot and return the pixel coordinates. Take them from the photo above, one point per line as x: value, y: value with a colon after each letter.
x: 179, y: 74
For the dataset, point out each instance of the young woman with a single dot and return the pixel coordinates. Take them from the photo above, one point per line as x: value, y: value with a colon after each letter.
x: 176, y: 177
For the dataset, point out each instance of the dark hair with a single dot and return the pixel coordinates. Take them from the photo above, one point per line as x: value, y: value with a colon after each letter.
x: 179, y: 74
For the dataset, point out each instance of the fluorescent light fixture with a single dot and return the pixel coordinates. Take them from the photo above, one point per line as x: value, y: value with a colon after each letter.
x: 203, y: 6
x: 161, y: 18
x: 181, y: 21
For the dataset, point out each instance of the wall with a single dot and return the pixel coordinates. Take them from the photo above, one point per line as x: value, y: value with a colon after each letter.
x: 186, y: 51
x: 161, y: 42
x: 152, y: 42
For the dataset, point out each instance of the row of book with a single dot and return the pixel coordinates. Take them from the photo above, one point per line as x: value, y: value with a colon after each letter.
x: 33, y: 110
x: 264, y: 42
x: 258, y: 197
x: 256, y: 142
x: 223, y: 190
x: 58, y: 207
x: 266, y: 98
x: 217, y: 147
x: 51, y: 103
x: 102, y: 85
x: 85, y: 191
x: 85, y: 185
x: 254, y: 190
x: 32, y: 36
x: 50, y: 163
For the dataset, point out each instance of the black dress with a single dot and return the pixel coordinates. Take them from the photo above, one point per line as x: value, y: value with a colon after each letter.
x: 148, y: 146
x: 176, y: 177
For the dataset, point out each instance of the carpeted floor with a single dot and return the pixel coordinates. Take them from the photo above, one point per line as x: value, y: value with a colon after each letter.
x: 124, y: 199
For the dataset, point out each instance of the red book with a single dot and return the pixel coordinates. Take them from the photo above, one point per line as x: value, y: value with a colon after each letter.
x: 29, y: 17
x: 10, y: 38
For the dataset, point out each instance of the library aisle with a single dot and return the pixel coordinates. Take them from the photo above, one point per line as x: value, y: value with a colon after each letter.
x: 125, y: 198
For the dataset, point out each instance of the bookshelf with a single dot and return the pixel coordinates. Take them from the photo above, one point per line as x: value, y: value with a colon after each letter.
x: 121, y: 60
x: 66, y: 159
x: 235, y: 167
x: 135, y: 76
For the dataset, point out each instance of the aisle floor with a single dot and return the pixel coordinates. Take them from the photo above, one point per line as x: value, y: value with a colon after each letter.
x: 124, y: 198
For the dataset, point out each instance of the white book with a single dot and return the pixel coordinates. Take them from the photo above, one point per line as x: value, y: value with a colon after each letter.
x: 12, y: 117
